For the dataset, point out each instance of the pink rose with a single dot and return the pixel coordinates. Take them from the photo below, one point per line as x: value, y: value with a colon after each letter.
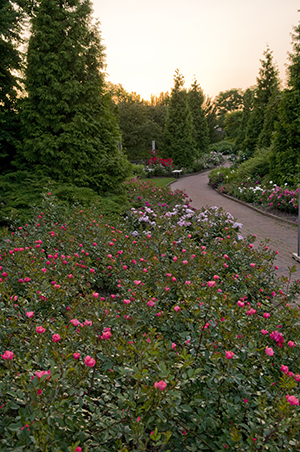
x: 241, y: 303
x: 89, y: 361
x: 269, y: 351
x: 151, y: 303
x: 56, y: 337
x: 8, y: 355
x: 40, y: 329
x: 76, y: 355
x: 106, y: 334
x: 252, y: 265
x: 29, y: 314
x: 176, y: 308
x: 284, y: 369
x: 161, y: 385
x: 291, y: 344
x: 264, y: 332
x: 211, y: 283
x: 78, y: 449
x: 173, y: 345
x: 266, y: 315
x: 229, y: 354
x: 292, y: 400
x: 75, y: 322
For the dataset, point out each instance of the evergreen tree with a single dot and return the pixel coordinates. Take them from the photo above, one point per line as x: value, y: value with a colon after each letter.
x: 210, y: 111
x: 247, y: 108
x: 179, y: 141
x: 285, y: 148
x: 267, y: 88
x: 69, y: 130
x: 10, y: 61
x: 200, y: 126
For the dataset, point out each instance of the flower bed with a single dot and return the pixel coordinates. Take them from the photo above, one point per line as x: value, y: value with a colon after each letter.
x: 254, y: 191
x: 161, y: 331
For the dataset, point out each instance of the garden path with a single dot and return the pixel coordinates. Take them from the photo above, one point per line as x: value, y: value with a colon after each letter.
x: 283, y: 236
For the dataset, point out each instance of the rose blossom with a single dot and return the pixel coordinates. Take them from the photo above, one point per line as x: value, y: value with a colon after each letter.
x: 269, y: 351
x: 89, y: 361
x: 40, y: 329
x: 8, y: 355
x: 161, y: 385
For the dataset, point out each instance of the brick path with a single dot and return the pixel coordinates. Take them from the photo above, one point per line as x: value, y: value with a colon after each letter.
x: 283, y: 236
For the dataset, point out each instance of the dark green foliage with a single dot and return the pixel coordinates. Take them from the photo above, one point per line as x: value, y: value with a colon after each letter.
x: 10, y: 61
x: 22, y: 190
x: 270, y: 118
x: 212, y: 121
x: 69, y: 131
x: 257, y: 166
x: 228, y: 102
x: 200, y: 126
x: 285, y: 155
x: 247, y: 108
x: 140, y: 123
x: 232, y: 123
x: 224, y: 147
x: 179, y: 141
x: 267, y: 89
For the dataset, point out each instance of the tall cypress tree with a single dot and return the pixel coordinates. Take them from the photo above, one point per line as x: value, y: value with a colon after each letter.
x: 200, y: 126
x: 68, y: 129
x: 267, y: 88
x: 179, y: 141
x: 10, y: 62
x: 285, y: 148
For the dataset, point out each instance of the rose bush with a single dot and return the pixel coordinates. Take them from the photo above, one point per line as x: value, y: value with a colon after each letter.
x: 146, y: 332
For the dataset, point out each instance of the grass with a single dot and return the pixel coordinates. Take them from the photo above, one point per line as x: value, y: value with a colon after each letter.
x: 160, y: 181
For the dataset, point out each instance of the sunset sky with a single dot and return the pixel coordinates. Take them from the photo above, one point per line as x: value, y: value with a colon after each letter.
x: 220, y: 42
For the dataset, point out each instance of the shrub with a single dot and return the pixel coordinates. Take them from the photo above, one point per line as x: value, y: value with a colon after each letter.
x: 162, y: 330
x: 224, y: 147
x: 257, y: 166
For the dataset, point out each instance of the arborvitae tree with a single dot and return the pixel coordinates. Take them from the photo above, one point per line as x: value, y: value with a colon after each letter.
x: 10, y: 61
x: 285, y: 148
x: 267, y: 88
x: 179, y: 141
x: 247, y: 108
x: 200, y: 126
x: 68, y: 129
x: 270, y: 118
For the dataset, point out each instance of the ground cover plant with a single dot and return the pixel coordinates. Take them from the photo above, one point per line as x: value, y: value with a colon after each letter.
x: 159, y: 330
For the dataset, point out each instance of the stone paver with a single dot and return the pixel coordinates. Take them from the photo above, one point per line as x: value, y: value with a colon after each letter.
x: 283, y: 237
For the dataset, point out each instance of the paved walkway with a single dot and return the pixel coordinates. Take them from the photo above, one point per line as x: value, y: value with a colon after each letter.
x: 283, y: 237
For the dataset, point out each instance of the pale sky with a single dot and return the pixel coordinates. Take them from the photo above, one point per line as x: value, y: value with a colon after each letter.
x: 220, y: 42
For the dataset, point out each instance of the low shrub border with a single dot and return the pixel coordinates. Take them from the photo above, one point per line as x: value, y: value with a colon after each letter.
x: 164, y: 330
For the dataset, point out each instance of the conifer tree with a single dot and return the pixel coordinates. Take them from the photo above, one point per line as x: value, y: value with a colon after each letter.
x: 267, y: 88
x: 69, y: 131
x: 10, y: 62
x: 247, y: 108
x: 285, y: 148
x: 179, y: 141
x: 200, y: 126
